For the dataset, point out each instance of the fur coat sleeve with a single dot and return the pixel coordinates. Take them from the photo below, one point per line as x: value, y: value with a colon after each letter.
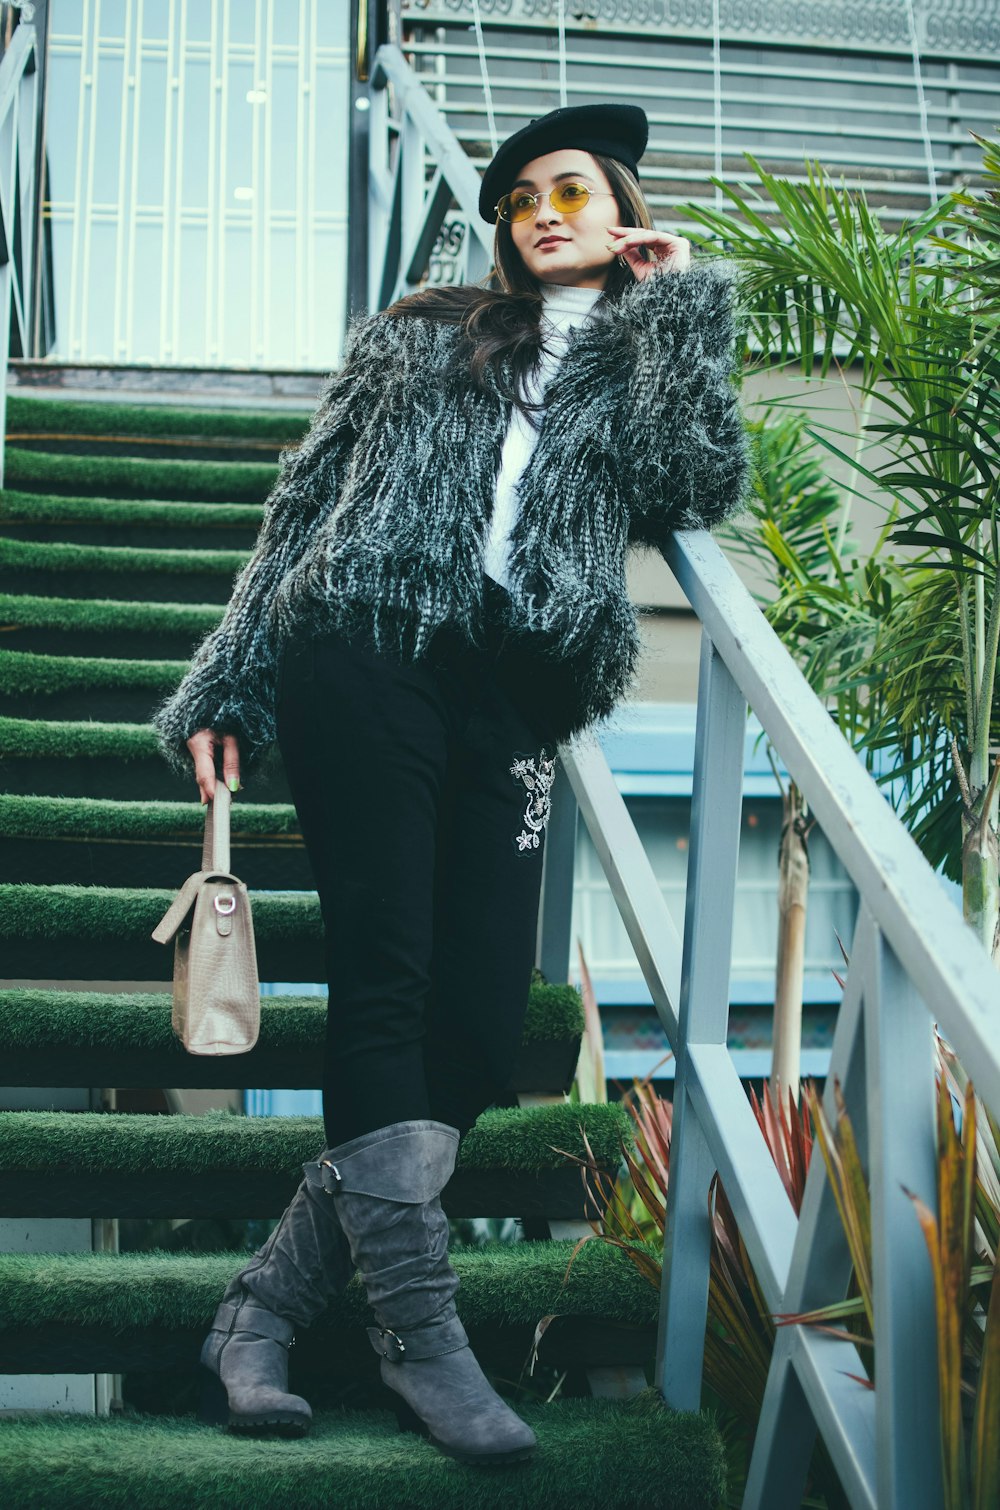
x: 670, y: 345
x: 230, y: 684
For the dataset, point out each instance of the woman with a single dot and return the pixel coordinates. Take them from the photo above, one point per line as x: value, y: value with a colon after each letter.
x: 437, y: 597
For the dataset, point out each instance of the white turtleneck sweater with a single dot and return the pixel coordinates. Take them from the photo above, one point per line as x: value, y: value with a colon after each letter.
x: 562, y: 309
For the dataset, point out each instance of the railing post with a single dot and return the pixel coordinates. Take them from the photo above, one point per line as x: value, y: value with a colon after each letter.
x: 358, y: 126
x: 819, y: 1273
x: 558, y: 865
x: 381, y: 188
x: 412, y: 185
x: 41, y: 335
x: 19, y: 126
x: 716, y: 807
x: 899, y: 1045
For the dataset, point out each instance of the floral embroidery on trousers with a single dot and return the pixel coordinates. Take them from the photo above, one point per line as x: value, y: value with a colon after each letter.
x: 538, y: 779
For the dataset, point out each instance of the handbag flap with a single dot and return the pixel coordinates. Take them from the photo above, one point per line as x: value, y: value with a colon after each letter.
x: 178, y: 909
x: 185, y: 900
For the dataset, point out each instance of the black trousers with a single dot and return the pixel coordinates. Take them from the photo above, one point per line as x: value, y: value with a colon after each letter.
x: 422, y: 792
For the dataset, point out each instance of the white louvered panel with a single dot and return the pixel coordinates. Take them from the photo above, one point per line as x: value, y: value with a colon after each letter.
x: 888, y: 108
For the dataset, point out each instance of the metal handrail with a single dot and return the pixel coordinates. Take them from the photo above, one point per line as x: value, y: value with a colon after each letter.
x: 20, y: 89
x: 883, y: 861
x: 406, y: 213
x: 912, y: 962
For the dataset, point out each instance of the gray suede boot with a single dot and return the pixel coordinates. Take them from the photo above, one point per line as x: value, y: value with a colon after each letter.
x: 386, y: 1189
x: 287, y: 1283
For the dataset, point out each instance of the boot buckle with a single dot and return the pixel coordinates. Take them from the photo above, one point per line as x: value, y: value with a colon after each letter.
x: 329, y: 1164
x: 399, y: 1347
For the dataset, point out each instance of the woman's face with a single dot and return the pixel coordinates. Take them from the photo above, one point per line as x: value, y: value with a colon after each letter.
x: 566, y: 248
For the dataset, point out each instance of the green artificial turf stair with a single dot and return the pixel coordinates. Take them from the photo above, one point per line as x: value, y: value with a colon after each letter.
x: 79, y: 686
x: 121, y: 529
x: 108, y: 841
x: 63, y: 1037
x: 119, y: 571
x: 138, y: 425
x: 128, y: 521
x: 103, y: 626
x: 103, y: 932
x: 592, y: 1455
x: 515, y: 1161
x: 138, y: 477
x: 528, y: 1141
x: 92, y: 758
x: 151, y: 1310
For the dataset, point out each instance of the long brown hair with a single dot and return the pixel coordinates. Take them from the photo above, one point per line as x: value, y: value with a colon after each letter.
x: 500, y: 316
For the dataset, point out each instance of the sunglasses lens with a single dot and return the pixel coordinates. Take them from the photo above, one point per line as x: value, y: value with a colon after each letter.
x: 569, y: 197
x: 515, y: 206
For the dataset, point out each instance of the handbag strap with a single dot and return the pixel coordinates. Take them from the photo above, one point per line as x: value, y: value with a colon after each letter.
x: 215, y: 848
x: 214, y: 860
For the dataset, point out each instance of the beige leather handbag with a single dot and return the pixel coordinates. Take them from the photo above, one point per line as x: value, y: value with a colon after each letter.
x: 216, y: 1006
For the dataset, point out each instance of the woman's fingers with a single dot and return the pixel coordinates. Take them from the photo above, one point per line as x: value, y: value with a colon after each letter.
x: 644, y: 233
x: 202, y: 747
x: 668, y: 251
x: 231, y: 762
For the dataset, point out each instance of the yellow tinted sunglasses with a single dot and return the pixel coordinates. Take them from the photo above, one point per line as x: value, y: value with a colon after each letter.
x: 566, y: 200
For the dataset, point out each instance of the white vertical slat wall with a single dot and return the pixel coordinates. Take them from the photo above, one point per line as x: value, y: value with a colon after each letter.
x: 198, y: 161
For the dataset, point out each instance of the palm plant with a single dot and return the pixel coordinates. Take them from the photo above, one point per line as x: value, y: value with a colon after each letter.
x: 823, y: 597
x: 911, y: 314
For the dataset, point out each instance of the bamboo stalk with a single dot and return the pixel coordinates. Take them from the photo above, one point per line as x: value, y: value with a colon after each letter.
x: 793, y: 897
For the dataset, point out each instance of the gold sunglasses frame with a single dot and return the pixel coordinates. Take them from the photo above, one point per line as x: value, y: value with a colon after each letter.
x: 545, y: 193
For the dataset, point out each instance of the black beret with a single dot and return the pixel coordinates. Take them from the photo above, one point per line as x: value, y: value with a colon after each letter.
x: 616, y: 131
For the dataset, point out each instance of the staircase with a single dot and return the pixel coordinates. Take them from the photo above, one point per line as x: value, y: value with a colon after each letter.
x: 121, y: 529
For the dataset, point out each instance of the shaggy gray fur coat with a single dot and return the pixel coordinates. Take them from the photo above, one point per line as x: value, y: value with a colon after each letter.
x: 379, y: 518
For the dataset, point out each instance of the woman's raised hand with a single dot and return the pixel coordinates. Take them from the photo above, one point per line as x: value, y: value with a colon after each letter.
x: 671, y: 253
x: 202, y: 746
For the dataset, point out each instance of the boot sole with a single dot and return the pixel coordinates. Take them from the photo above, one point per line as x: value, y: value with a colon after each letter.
x: 251, y: 1426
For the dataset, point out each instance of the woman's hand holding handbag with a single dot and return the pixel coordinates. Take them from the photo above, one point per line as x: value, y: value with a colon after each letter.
x: 216, y: 995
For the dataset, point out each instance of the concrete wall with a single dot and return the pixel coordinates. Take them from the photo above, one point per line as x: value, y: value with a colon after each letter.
x: 668, y: 670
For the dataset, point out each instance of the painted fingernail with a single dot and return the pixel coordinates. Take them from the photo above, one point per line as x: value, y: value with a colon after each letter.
x: 233, y: 783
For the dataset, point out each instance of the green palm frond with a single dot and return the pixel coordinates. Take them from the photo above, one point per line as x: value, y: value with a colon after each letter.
x: 820, y: 277
x: 900, y: 642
